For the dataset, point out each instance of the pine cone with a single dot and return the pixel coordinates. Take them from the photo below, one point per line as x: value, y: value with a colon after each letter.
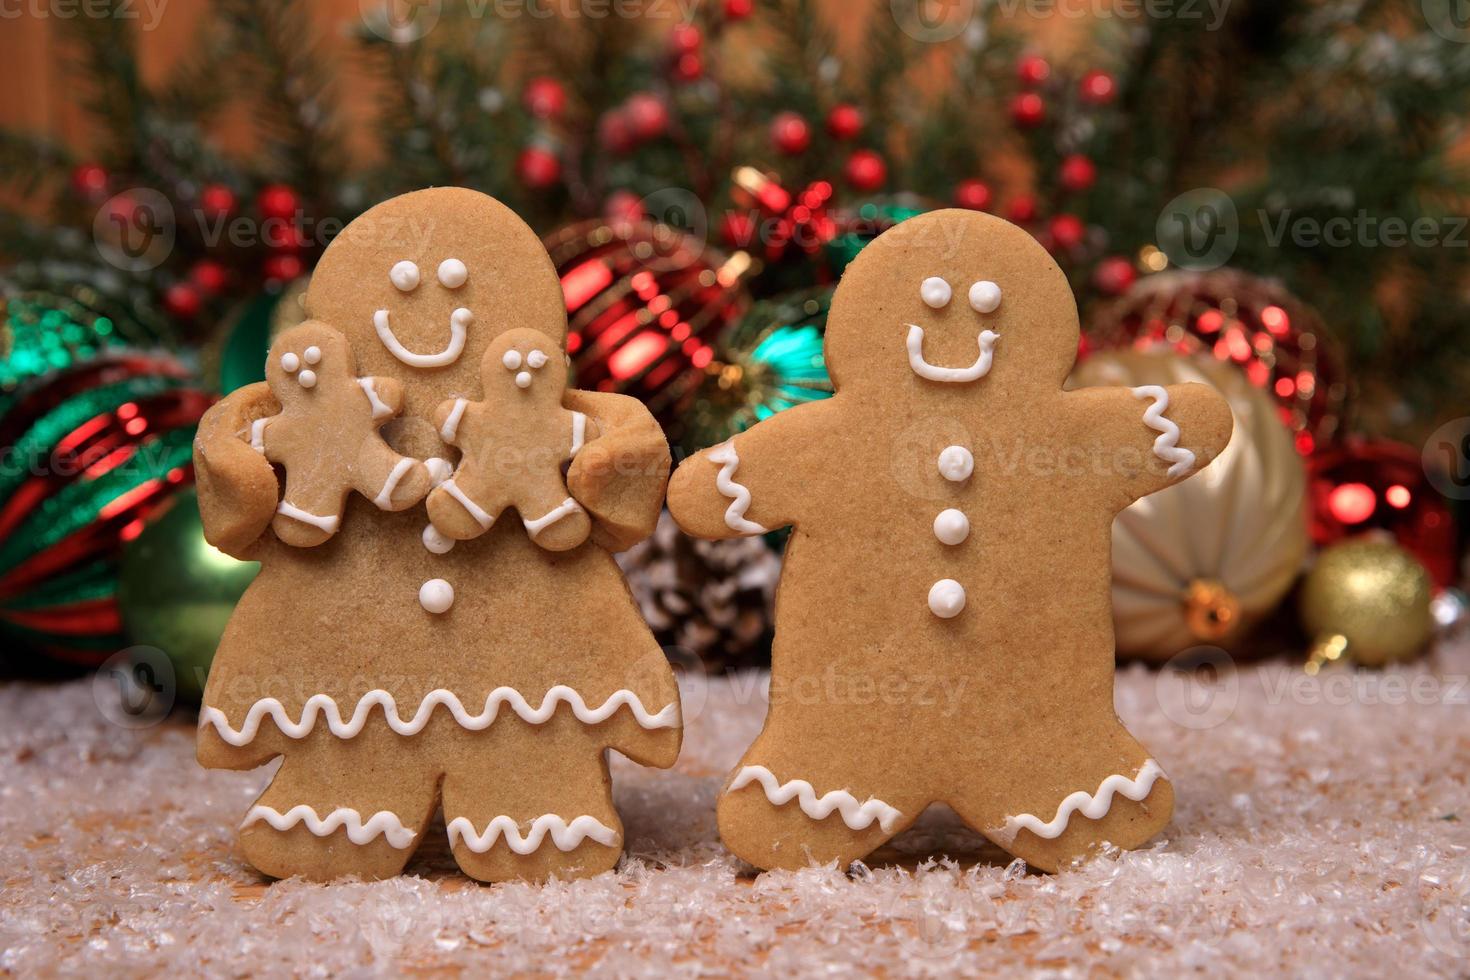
x: 715, y: 599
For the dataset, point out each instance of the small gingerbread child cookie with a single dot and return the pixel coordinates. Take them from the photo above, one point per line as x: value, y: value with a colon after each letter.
x: 514, y: 443
x: 943, y: 628
x: 326, y: 436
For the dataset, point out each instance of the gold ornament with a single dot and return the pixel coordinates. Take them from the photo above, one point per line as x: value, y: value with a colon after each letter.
x: 1201, y: 562
x: 1367, y: 600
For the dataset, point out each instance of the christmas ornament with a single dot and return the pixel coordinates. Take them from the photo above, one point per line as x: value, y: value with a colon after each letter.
x: 545, y: 98
x: 786, y: 223
x: 1097, y: 87
x: 845, y: 122
x: 615, y: 133
x: 1278, y: 340
x: 96, y: 444
x: 1077, y: 173
x: 1114, y: 275
x: 176, y: 591
x: 182, y: 300
x: 1378, y: 484
x: 1368, y: 601
x: 1021, y: 210
x: 278, y: 201
x: 685, y: 38
x: 972, y: 194
x: 866, y: 171
x: 538, y: 168
x: 282, y: 268
x: 647, y: 116
x: 790, y: 134
x: 867, y: 221
x: 1028, y: 110
x: 645, y: 303
x: 1032, y: 70
x: 688, y: 67
x: 768, y: 362
x: 739, y: 9
x: 209, y: 276
x: 89, y: 181
x: 1200, y: 562
x: 217, y: 201
x: 1067, y: 231
x: 713, y: 599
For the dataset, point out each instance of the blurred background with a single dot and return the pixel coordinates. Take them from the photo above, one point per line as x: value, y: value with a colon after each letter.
x: 1265, y: 195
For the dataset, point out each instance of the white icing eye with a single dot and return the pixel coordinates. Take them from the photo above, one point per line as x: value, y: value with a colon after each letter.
x: 452, y: 273
x: 536, y: 359
x: 404, y: 275
x: 935, y: 292
x: 290, y: 362
x: 523, y: 380
x: 985, y: 296
x: 312, y: 355
x: 307, y: 379
x: 511, y: 360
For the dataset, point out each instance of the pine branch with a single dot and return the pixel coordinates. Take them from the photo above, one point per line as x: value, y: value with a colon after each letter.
x: 28, y: 161
x: 106, y: 59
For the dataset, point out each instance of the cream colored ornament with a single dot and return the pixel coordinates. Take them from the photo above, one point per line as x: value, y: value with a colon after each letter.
x: 1199, y: 563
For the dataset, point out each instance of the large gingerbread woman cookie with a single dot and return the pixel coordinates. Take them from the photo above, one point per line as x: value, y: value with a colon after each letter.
x: 943, y: 628
x: 396, y: 666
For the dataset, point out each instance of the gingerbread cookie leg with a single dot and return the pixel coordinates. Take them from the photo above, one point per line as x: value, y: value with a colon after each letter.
x: 557, y: 822
x: 340, y: 807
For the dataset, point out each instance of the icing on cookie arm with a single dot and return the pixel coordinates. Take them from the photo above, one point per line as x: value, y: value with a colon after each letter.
x: 237, y: 486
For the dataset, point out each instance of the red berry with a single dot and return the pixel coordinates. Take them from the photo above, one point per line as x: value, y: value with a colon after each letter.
x: 182, y: 300
x: 1077, y: 173
x: 866, y: 171
x: 545, y: 98
x: 972, y: 194
x: 1114, y: 275
x: 538, y: 168
x: 283, y: 267
x: 685, y: 38
x: 648, y: 117
x: 209, y: 276
x: 737, y: 229
x: 277, y: 201
x: 688, y: 67
x: 1021, y: 210
x: 1097, y: 87
x: 1032, y: 70
x: 217, y: 201
x: 845, y: 121
x: 790, y: 133
x: 623, y: 206
x: 1067, y: 230
x: 1028, y: 110
x: 89, y: 180
x: 739, y: 9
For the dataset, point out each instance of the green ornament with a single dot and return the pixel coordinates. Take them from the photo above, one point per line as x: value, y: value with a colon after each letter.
x: 866, y: 222
x: 176, y: 592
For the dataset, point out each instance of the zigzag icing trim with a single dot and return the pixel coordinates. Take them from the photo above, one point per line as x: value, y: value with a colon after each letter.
x: 1093, y: 806
x: 856, y: 815
x: 729, y: 461
x: 383, y: 822
x: 1166, y: 446
x: 566, y: 836
x: 325, y: 705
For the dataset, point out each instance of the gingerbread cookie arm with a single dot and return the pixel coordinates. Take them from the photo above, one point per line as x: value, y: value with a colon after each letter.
x: 1149, y: 437
x: 238, y: 489
x: 620, y: 471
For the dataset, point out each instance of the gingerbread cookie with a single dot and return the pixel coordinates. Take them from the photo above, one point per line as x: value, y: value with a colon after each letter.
x: 943, y: 628
x: 396, y: 669
x: 514, y: 444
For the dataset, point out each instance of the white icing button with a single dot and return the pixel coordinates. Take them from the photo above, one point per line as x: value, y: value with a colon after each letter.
x: 935, y: 292
x: 536, y: 359
x: 439, y: 545
x: 440, y: 469
x: 946, y: 598
x: 307, y: 379
x: 951, y: 526
x: 437, y: 595
x: 312, y: 355
x: 290, y: 362
x: 985, y: 296
x: 956, y: 463
x: 511, y: 360
x: 404, y: 275
x: 452, y: 273
x: 523, y: 380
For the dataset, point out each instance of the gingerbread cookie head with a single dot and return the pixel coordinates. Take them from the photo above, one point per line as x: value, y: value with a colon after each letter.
x: 421, y: 285
x: 307, y: 363
x: 961, y: 298
x: 524, y: 368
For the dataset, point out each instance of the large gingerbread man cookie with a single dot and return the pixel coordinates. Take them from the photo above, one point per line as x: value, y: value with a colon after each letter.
x: 396, y: 670
x: 943, y: 628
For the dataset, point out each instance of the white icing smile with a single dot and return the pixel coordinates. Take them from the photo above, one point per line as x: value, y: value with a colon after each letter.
x: 459, y: 322
x: 932, y: 372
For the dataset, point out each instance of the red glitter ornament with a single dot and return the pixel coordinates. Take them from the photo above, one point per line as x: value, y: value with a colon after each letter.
x: 688, y: 67
x: 545, y: 98
x: 866, y: 171
x: 1067, y: 231
x: 1021, y: 210
x: 1097, y: 87
x: 845, y: 122
x: 1028, y: 110
x: 538, y: 168
x: 278, y: 201
x: 972, y: 194
x: 1114, y: 275
x: 1032, y: 70
x: 647, y: 116
x: 182, y: 300
x: 790, y: 134
x: 89, y: 180
x: 739, y: 9
x: 282, y: 267
x: 209, y: 276
x: 217, y: 201
x: 685, y: 38
x: 1077, y: 173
